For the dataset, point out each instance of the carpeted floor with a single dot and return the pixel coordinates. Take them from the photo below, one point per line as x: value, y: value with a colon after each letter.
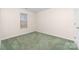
x: 37, y: 41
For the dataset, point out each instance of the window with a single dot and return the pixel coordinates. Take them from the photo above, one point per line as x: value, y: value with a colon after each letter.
x: 23, y: 20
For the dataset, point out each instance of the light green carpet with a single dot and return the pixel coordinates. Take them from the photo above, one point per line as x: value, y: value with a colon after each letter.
x: 37, y: 41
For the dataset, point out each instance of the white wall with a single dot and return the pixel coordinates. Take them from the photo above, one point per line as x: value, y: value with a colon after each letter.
x: 57, y: 22
x: 0, y: 28
x: 11, y: 22
x: 0, y: 24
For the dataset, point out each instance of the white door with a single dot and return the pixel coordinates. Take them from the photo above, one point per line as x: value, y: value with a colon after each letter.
x: 76, y: 23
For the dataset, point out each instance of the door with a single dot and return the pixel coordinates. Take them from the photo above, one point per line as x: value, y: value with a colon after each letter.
x: 76, y: 24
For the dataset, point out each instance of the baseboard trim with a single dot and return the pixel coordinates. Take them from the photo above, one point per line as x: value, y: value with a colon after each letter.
x: 31, y: 32
x: 15, y: 35
x: 56, y: 36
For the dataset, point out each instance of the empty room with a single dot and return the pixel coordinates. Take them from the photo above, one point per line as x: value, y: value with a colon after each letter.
x: 39, y: 29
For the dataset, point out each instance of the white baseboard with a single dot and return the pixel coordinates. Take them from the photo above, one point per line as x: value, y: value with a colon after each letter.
x: 4, y: 38
x: 57, y: 36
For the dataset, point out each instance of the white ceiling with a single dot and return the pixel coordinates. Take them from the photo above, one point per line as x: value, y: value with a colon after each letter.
x: 36, y: 9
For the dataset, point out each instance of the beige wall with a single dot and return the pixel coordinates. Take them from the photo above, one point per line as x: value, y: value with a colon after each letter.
x: 11, y: 22
x: 0, y: 25
x: 57, y: 22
